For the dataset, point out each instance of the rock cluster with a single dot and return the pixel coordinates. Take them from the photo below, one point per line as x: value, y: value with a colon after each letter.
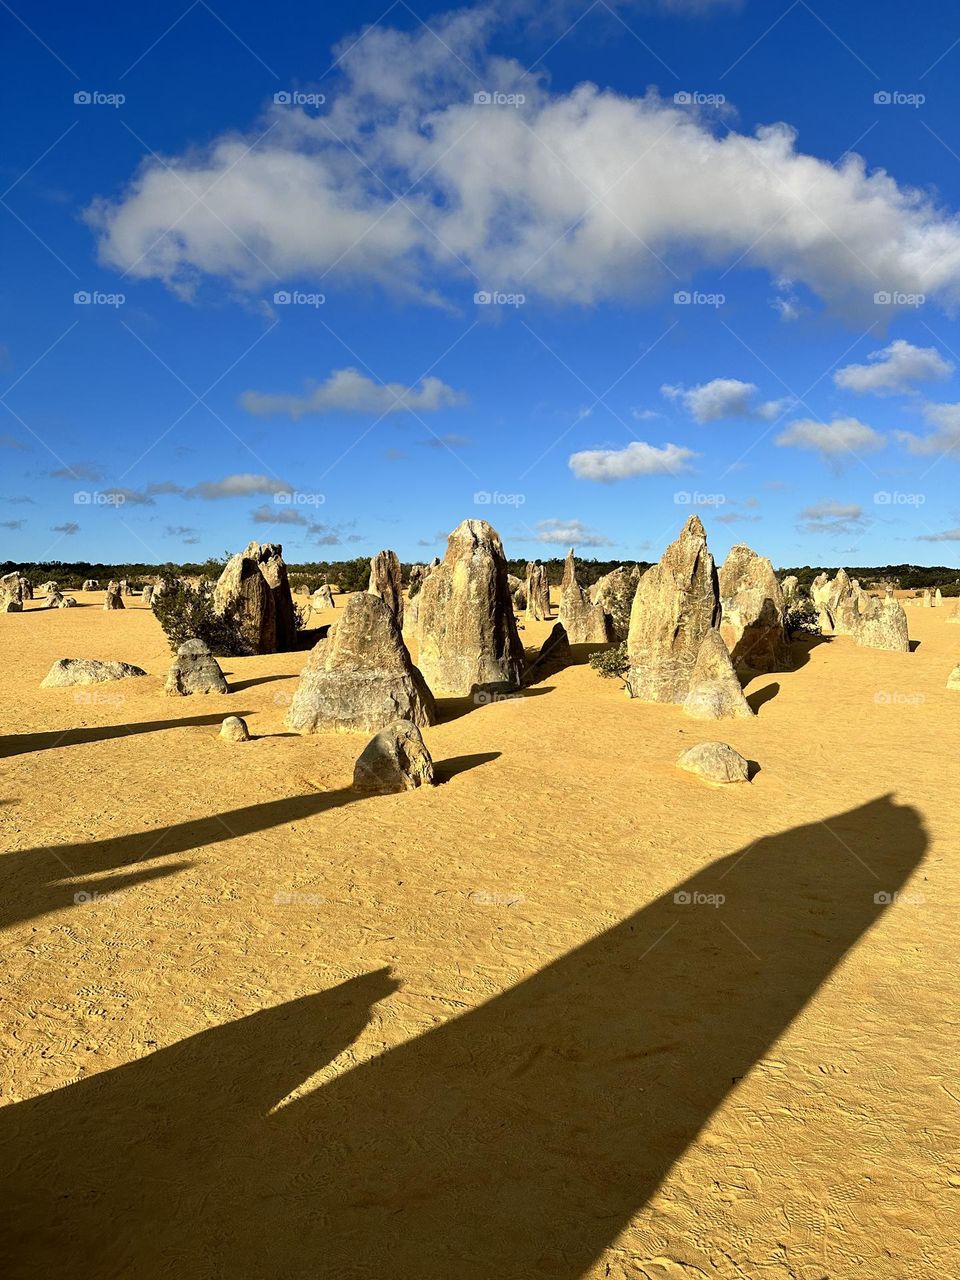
x: 195, y: 670
x: 677, y: 603
x: 466, y: 629
x: 254, y: 591
x: 584, y: 622
x: 360, y: 676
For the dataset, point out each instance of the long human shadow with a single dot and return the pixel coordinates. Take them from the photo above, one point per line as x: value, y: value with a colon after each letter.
x: 36, y: 881
x: 515, y: 1140
x: 19, y: 743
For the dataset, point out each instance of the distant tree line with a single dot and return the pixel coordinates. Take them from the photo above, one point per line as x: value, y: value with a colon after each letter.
x: 354, y: 574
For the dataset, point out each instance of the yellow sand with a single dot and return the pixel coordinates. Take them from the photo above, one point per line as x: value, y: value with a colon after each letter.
x: 468, y: 1032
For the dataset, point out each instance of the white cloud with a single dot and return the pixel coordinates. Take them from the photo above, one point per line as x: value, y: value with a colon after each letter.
x: 945, y: 418
x: 237, y: 486
x: 570, y: 533
x: 636, y: 459
x: 948, y: 535
x: 842, y: 435
x: 833, y: 518
x: 498, y: 191
x: 894, y: 370
x: 349, y: 391
x: 724, y: 398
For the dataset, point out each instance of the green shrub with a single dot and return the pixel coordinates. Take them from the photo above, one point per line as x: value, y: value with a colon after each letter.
x: 187, y: 613
x: 802, y: 617
x: 611, y: 663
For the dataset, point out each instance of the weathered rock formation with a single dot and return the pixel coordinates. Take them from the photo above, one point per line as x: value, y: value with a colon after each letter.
x: 195, y: 670
x: 715, y: 692
x: 54, y: 600
x: 715, y: 762
x: 395, y: 760
x: 11, y: 593
x: 614, y: 593
x: 538, y: 592
x: 322, y: 598
x: 790, y: 588
x: 66, y: 602
x: 243, y: 594
x: 518, y: 592
x: 882, y: 625
x: 113, y: 599
x: 234, y: 729
x: 69, y: 671
x: 360, y: 677
x: 555, y: 654
x: 585, y: 623
x: 466, y: 629
x: 91, y: 584
x: 752, y: 604
x: 676, y: 603
x: 269, y: 556
x: 148, y: 595
x: 386, y: 581
x: 569, y: 570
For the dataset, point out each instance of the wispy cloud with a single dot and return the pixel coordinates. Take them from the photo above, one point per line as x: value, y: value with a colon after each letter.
x: 833, y: 518
x: 350, y: 391
x: 570, y: 533
x: 71, y: 527
x: 841, y: 436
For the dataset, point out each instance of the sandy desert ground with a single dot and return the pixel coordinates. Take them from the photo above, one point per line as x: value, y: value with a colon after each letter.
x: 470, y: 1031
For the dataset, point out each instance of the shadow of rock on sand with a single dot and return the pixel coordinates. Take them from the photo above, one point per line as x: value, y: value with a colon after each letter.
x: 760, y: 697
x: 453, y: 708
x: 515, y: 1140
x: 36, y: 881
x: 15, y: 744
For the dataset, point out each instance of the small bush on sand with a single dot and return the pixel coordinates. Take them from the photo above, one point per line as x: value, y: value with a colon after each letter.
x: 611, y: 663
x: 802, y: 618
x: 187, y: 613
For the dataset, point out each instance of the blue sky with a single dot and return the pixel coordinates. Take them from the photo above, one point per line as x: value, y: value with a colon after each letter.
x: 356, y: 275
